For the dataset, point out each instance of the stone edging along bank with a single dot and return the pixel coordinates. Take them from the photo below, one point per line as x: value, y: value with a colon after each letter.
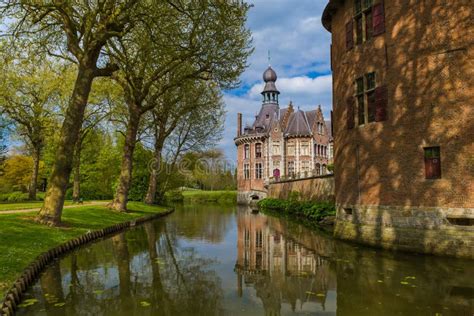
x: 31, y: 273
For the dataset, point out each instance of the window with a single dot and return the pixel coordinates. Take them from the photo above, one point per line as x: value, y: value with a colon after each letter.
x: 432, y: 163
x: 276, y: 148
x: 291, y: 149
x: 258, y: 150
x: 365, y: 96
x: 324, y: 171
x: 247, y: 238
x: 258, y: 239
x: 291, y: 168
x: 318, y: 169
x: 359, y: 30
x: 246, y: 171
x: 246, y: 151
x: 305, y: 148
x: 305, y: 166
x: 369, y: 20
x: 258, y: 171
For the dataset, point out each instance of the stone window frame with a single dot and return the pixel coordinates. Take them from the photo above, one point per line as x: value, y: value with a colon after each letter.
x: 258, y: 150
x: 258, y: 170
x: 277, y: 145
x: 307, y: 148
x: 247, y: 151
x: 364, y: 96
x: 291, y: 168
x: 305, y: 166
x: 246, y: 171
x: 293, y: 146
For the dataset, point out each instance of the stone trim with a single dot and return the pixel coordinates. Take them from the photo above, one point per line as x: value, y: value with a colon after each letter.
x: 414, y: 229
x: 300, y: 179
x: 32, y: 272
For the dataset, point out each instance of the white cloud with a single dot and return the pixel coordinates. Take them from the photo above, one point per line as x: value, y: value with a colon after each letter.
x: 299, y: 85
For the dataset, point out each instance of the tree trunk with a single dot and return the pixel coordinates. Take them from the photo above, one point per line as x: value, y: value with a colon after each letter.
x: 152, y: 185
x: 76, y: 188
x: 34, y: 176
x: 51, y: 211
x: 121, y: 194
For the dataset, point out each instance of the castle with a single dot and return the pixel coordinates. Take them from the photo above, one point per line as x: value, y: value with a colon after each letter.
x: 404, y: 123
x: 281, y: 144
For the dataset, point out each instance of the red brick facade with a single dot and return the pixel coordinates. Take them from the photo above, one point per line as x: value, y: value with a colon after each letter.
x: 409, y: 152
x: 424, y: 58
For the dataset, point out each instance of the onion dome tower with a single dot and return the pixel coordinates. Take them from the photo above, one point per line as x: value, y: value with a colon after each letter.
x: 270, y: 92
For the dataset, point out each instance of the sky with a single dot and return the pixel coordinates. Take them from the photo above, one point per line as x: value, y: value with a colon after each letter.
x: 300, y: 54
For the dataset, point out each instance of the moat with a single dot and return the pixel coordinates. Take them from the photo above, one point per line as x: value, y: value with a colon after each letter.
x: 213, y: 260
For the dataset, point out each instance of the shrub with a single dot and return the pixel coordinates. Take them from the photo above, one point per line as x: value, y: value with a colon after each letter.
x: 17, y: 197
x: 175, y: 196
x: 314, y: 211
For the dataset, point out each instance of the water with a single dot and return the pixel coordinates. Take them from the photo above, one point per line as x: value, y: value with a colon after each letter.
x: 210, y: 260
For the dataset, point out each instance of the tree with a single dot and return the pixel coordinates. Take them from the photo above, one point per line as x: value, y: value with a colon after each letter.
x: 76, y: 31
x: 198, y: 131
x: 198, y: 112
x: 210, y: 42
x: 101, y: 102
x: 28, y: 91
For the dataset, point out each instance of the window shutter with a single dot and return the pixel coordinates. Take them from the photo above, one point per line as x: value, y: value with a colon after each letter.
x: 350, y: 113
x: 432, y: 163
x: 381, y: 100
x: 378, y: 18
x: 349, y: 35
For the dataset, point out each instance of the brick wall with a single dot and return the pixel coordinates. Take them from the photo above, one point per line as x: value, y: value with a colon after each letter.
x: 425, y: 58
x: 310, y: 189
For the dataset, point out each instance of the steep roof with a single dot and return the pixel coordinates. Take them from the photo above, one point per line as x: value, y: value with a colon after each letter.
x: 298, y: 125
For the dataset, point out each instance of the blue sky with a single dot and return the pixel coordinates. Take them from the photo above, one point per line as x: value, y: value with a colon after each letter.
x: 300, y: 54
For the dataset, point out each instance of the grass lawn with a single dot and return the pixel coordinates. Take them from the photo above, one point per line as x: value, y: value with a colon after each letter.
x: 199, y: 196
x: 22, y: 240
x: 24, y: 205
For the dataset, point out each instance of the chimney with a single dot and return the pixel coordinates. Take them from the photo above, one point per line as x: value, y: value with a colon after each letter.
x: 239, y: 124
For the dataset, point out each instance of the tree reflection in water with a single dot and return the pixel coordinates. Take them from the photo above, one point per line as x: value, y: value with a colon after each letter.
x: 219, y: 261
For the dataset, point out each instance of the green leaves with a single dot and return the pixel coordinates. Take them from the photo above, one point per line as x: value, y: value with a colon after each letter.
x: 314, y: 211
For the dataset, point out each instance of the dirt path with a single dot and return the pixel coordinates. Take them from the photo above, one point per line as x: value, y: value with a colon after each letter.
x: 30, y: 210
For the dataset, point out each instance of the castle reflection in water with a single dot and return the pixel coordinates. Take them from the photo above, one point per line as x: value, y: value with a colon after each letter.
x: 280, y: 269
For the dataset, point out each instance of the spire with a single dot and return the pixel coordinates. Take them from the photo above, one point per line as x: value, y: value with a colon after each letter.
x: 269, y: 59
x: 270, y: 92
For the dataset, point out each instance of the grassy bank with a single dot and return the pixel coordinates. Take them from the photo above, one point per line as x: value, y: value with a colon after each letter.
x: 311, y: 211
x: 22, y: 240
x: 25, y: 205
x: 201, y: 197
